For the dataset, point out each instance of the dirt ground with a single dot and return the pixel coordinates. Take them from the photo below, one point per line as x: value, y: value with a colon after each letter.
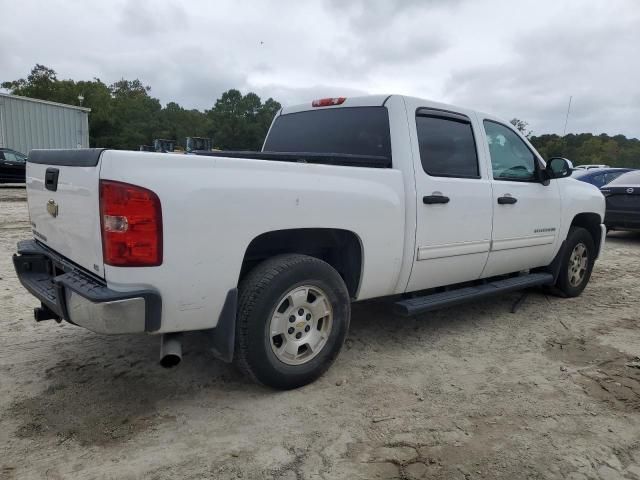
x: 552, y: 391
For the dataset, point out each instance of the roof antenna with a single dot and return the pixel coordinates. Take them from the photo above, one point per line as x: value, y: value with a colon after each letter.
x: 564, y: 133
x: 566, y: 120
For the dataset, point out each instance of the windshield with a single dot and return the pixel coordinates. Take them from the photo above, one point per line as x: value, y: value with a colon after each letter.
x: 581, y: 173
x: 350, y: 130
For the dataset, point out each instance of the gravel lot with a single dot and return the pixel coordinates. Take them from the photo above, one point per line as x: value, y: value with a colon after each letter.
x: 552, y: 391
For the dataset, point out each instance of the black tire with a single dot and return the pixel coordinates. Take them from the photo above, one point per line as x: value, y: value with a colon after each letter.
x: 576, y: 236
x: 259, y: 294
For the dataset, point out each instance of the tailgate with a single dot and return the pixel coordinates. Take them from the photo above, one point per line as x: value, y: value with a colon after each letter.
x: 64, y: 204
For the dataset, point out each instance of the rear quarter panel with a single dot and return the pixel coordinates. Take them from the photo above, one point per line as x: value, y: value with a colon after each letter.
x: 213, y: 207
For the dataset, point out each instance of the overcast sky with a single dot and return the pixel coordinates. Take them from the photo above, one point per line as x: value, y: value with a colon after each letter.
x: 511, y: 58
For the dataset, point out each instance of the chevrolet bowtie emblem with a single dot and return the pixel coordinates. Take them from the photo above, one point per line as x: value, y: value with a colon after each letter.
x: 52, y: 208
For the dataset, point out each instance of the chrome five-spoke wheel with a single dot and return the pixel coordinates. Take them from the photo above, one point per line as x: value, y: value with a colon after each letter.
x: 578, y: 264
x: 293, y: 317
x: 300, y: 325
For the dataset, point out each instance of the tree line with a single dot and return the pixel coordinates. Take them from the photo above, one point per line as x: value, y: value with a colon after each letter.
x: 124, y: 116
x: 585, y: 148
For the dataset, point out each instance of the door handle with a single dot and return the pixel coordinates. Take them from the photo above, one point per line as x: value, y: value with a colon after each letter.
x: 51, y: 179
x: 507, y: 200
x: 432, y: 199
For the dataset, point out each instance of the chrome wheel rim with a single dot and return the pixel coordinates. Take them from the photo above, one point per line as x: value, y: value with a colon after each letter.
x: 578, y: 262
x: 300, y: 325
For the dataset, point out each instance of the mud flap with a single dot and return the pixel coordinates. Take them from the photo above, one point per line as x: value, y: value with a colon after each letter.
x: 224, y: 335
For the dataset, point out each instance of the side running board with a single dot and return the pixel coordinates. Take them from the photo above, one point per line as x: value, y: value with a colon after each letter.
x: 434, y: 301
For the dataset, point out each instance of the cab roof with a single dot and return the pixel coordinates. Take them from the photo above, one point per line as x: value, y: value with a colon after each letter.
x: 376, y: 101
x: 363, y: 101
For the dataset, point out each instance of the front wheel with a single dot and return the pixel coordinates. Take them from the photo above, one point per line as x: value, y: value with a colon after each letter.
x: 577, y: 262
x: 293, y: 317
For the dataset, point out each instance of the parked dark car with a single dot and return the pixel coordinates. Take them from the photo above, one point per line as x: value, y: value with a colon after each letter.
x: 600, y: 176
x: 12, y: 166
x: 623, y: 202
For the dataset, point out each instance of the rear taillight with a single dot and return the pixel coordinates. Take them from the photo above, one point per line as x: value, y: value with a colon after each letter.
x: 131, y: 221
x: 328, y: 102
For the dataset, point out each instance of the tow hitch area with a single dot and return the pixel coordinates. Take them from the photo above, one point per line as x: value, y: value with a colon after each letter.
x: 45, y: 313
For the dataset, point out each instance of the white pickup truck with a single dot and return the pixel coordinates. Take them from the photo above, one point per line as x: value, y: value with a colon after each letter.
x: 350, y: 199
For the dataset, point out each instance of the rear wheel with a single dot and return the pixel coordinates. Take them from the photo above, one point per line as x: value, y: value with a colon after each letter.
x: 577, y: 262
x: 293, y: 317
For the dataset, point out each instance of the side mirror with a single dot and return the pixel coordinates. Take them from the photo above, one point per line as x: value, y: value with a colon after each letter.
x: 559, y: 167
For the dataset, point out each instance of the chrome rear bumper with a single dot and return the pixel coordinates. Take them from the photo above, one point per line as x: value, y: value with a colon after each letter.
x: 68, y: 292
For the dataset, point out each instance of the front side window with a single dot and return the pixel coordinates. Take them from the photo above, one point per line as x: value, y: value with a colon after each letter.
x: 447, y: 146
x: 511, y: 159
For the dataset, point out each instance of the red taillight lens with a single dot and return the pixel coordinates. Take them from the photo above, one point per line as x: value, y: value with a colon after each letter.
x: 131, y: 221
x: 328, y: 102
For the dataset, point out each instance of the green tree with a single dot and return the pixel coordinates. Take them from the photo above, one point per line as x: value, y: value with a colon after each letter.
x: 241, y: 122
x: 135, y: 114
x: 521, y: 126
x: 125, y: 115
x: 178, y: 123
x: 40, y: 83
x: 585, y: 148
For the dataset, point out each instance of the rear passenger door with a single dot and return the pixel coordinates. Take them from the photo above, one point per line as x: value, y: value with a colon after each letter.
x: 454, y: 210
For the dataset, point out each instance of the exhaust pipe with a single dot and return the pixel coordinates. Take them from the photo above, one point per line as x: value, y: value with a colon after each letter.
x: 170, y: 349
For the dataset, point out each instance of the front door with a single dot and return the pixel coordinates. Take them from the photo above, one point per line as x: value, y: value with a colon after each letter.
x: 527, y: 213
x: 454, y: 210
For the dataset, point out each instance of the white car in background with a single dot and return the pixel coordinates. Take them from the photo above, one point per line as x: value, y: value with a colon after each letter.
x: 589, y: 167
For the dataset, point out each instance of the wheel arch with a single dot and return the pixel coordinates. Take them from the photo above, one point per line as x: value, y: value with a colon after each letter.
x: 590, y: 222
x: 342, y: 249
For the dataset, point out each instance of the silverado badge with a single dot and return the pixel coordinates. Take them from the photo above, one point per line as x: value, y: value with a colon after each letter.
x: 52, y: 208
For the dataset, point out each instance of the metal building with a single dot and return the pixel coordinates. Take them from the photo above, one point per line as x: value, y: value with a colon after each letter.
x: 27, y: 123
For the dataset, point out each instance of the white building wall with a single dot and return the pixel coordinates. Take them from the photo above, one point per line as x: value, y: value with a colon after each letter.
x: 27, y: 123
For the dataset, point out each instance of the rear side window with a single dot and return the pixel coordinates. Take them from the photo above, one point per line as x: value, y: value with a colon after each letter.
x: 348, y: 130
x: 447, y: 146
x: 611, y: 176
x: 629, y: 178
x: 13, y: 157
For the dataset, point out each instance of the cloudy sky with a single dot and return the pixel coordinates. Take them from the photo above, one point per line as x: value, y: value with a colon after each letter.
x: 511, y: 58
